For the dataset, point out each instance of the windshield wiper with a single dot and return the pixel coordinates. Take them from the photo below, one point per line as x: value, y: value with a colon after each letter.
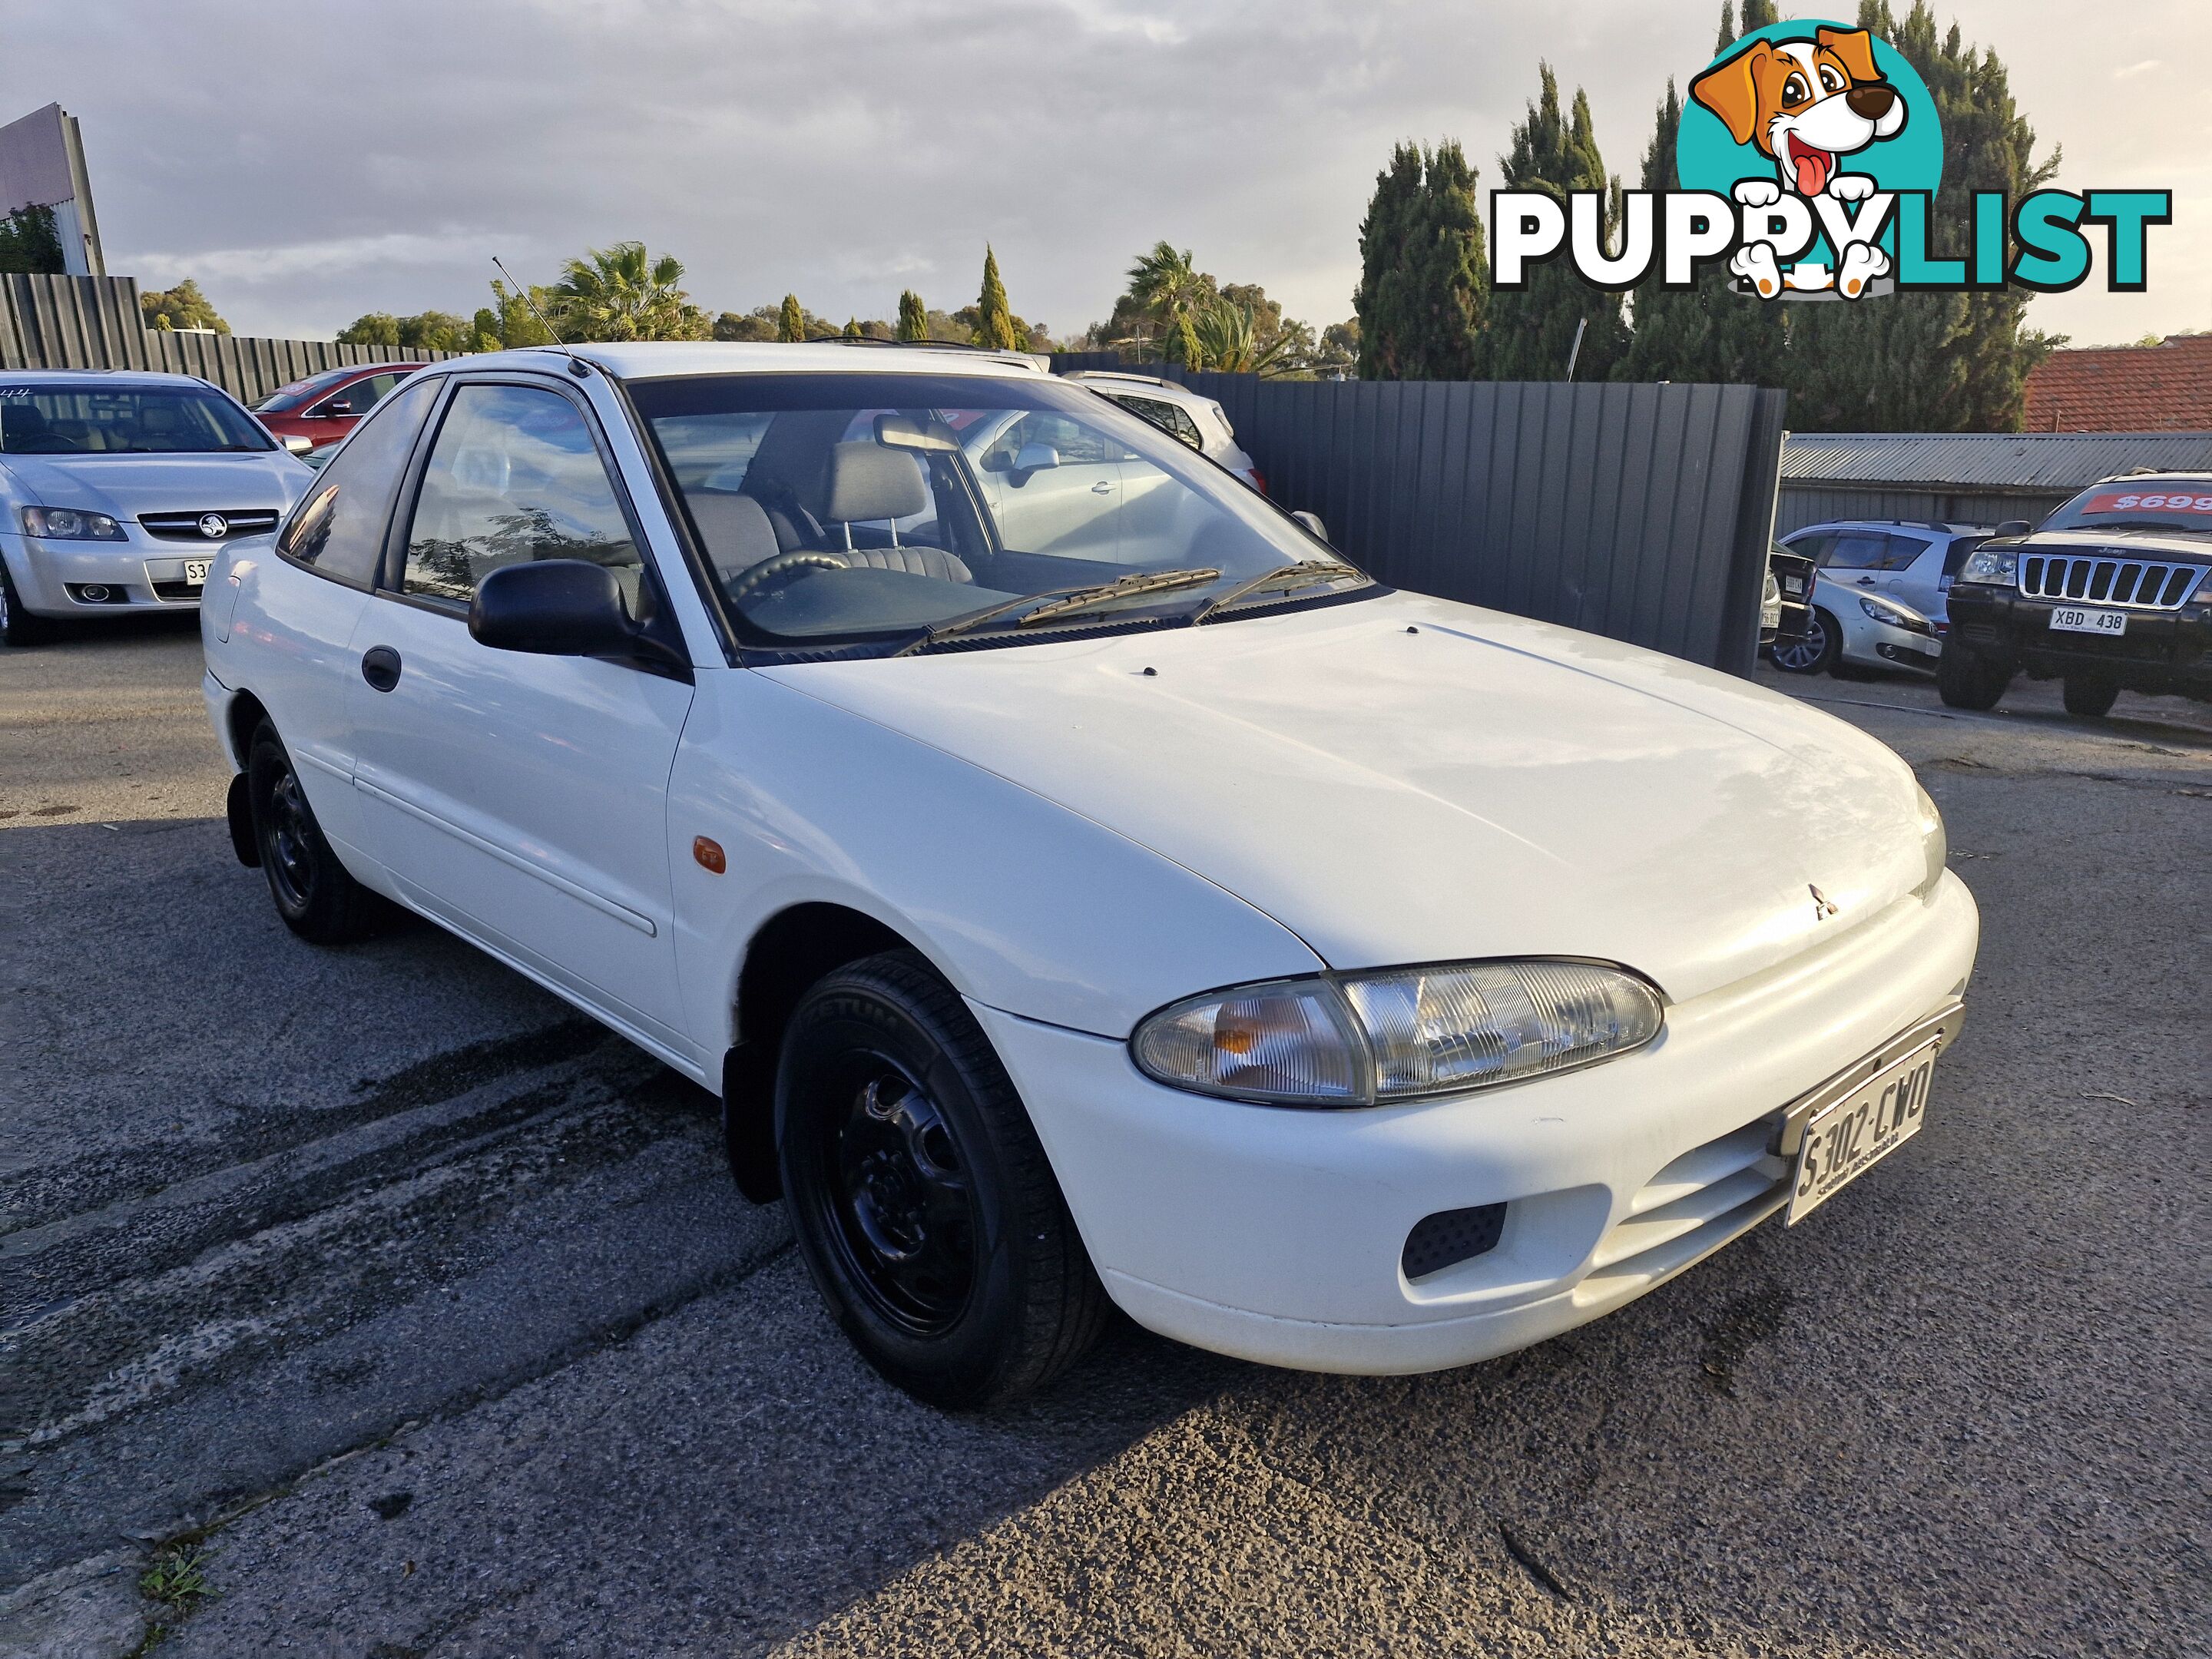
x: 1286, y: 577
x: 1087, y: 593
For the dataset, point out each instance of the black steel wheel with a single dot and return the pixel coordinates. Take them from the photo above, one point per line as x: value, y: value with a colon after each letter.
x: 2091, y: 694
x: 316, y: 895
x: 923, y: 1203
x: 1813, y: 651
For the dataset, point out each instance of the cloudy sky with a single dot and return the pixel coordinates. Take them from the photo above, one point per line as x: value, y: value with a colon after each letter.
x: 311, y: 161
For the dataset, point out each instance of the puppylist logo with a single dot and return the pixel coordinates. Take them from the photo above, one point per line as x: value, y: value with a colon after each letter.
x: 1808, y: 157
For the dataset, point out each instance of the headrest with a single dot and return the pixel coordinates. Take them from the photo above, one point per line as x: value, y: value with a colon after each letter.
x: 735, y: 529
x: 867, y: 481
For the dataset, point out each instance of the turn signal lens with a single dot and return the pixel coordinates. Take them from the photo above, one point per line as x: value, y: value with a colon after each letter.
x: 1935, y: 844
x: 1397, y: 1036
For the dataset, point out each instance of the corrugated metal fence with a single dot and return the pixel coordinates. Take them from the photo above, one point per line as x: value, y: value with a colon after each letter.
x: 1639, y: 512
x: 94, y: 322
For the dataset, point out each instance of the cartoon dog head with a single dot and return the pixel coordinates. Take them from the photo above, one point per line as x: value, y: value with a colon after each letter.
x: 1804, y: 103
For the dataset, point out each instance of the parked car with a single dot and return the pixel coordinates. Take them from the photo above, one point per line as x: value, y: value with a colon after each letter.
x: 1852, y: 634
x: 1913, y: 561
x: 118, y: 490
x: 1005, y: 894
x: 323, y: 407
x: 1790, y: 576
x: 2113, y: 593
x: 1200, y: 422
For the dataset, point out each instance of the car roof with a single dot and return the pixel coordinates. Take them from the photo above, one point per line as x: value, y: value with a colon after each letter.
x: 1149, y: 384
x: 642, y: 360
x: 109, y: 377
x: 1928, y: 525
x: 2143, y: 476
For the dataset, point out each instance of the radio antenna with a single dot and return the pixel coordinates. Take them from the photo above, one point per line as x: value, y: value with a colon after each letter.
x: 577, y: 366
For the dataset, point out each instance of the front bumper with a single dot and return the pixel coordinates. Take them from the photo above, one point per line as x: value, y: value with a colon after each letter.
x: 1277, y: 1235
x: 138, y: 574
x: 2162, y: 651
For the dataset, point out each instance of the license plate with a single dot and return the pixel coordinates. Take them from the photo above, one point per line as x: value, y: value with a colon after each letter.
x: 2069, y: 619
x: 196, y: 572
x: 1844, y: 1141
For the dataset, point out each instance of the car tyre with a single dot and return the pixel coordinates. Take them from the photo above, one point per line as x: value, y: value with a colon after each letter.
x: 1812, y: 652
x: 1965, y: 680
x: 2091, y: 694
x: 315, y: 895
x: 17, y: 625
x: 924, y: 1205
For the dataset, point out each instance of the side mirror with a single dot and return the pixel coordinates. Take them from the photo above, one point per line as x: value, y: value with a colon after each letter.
x: 2014, y: 527
x: 336, y: 406
x: 297, y: 446
x: 1035, y: 458
x: 553, y: 608
x: 1313, y: 526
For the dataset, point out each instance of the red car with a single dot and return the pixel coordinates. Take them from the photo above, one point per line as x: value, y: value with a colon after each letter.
x: 323, y: 407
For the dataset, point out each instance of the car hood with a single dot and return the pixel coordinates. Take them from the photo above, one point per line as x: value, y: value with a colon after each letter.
x: 2114, y: 541
x: 126, y: 486
x: 1406, y: 779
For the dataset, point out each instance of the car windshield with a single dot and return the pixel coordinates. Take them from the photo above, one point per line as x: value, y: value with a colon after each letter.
x: 136, y: 420
x: 292, y: 396
x: 2184, y: 504
x: 893, y: 509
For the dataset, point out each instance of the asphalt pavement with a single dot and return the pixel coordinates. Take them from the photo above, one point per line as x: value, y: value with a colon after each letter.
x: 418, y: 1317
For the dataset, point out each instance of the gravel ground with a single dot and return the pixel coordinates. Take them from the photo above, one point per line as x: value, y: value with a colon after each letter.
x: 427, y: 1315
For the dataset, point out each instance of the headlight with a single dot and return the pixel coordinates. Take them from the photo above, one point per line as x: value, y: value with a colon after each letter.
x: 70, y: 524
x: 1365, y: 1038
x: 1990, y: 564
x: 1892, y: 617
x: 1934, y: 845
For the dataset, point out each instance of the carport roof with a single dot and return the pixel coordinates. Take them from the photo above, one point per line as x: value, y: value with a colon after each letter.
x: 1990, y: 460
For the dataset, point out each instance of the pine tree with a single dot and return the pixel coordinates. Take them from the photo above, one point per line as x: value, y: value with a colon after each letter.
x: 913, y: 317
x: 852, y: 329
x: 1424, y: 294
x: 1533, y: 330
x: 995, y: 320
x: 791, y: 322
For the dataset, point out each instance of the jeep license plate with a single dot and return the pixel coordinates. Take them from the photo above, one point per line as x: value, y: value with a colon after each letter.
x: 1846, y: 1139
x: 2074, y: 619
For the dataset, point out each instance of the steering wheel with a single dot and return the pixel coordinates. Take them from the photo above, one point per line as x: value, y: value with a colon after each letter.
x: 783, y: 564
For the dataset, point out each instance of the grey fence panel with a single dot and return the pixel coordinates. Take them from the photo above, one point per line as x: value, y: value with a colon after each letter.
x: 94, y: 322
x: 1639, y: 512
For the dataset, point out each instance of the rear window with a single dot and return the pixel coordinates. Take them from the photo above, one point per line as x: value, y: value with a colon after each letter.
x: 1956, y: 560
x: 291, y: 396
x: 140, y: 420
x: 2184, y: 504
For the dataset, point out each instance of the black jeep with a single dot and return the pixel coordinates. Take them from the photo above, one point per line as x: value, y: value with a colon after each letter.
x: 2112, y: 593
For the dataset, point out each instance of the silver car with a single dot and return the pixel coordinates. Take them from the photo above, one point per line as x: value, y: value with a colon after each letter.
x: 1199, y: 421
x: 118, y: 489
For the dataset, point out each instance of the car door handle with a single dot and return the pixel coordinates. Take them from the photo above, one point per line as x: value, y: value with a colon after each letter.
x: 1102, y: 488
x: 380, y: 666
x: 1866, y: 582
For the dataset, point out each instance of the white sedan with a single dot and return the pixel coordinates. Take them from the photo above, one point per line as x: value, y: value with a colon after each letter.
x: 1325, y: 975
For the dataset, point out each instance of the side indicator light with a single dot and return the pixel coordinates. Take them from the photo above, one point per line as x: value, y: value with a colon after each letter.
x: 709, y: 854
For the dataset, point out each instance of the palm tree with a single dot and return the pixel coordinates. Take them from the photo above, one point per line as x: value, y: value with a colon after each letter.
x: 1225, y: 337
x: 1167, y: 283
x: 622, y: 293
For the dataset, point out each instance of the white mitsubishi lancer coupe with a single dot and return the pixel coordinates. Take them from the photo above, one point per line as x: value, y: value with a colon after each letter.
x: 1124, y: 902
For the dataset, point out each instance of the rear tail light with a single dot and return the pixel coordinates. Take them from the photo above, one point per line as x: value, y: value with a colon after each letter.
x: 1259, y: 481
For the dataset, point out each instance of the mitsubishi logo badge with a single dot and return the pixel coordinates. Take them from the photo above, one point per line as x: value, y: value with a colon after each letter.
x: 1823, y: 907
x: 214, y: 526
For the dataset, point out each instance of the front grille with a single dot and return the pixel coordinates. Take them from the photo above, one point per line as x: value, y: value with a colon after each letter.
x: 1696, y: 1204
x: 2108, y: 579
x: 1451, y: 1236
x: 185, y: 526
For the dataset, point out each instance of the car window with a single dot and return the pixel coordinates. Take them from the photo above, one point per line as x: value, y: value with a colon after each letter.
x: 1811, y: 546
x: 339, y: 527
x: 1856, y: 550
x: 1169, y: 417
x: 360, y: 397
x: 514, y: 475
x: 291, y: 396
x: 177, y: 419
x: 1076, y: 443
x: 1904, y: 549
x: 1954, y: 559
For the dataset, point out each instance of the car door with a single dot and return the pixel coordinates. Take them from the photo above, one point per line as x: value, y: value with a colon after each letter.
x: 520, y: 797
x: 1069, y: 510
x: 295, y: 608
x: 1910, y: 567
